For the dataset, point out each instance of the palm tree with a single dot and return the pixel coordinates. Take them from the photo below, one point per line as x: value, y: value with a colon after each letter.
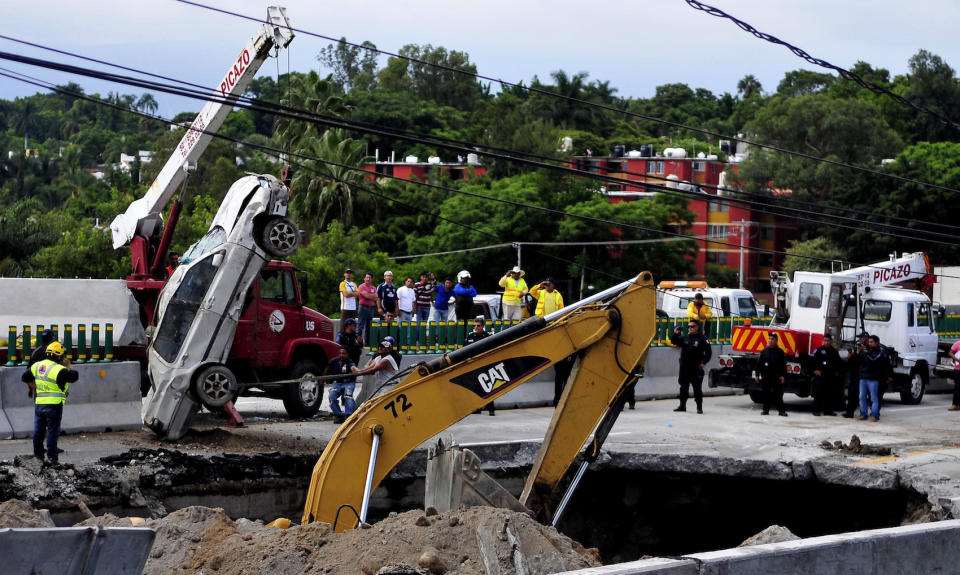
x: 749, y: 86
x: 322, y: 190
x: 314, y: 95
x: 147, y: 103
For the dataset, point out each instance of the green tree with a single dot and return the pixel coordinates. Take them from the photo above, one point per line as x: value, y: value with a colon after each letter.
x: 326, y: 188
x: 431, y: 74
x: 749, y: 86
x: 314, y: 95
x: 800, y: 255
x: 351, y: 66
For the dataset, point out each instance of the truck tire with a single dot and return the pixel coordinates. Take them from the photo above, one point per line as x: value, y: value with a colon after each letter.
x: 756, y: 396
x: 214, y: 386
x: 912, y: 394
x: 279, y: 237
x: 303, y: 399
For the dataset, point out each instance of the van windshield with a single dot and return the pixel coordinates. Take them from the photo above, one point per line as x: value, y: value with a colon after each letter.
x: 747, y: 307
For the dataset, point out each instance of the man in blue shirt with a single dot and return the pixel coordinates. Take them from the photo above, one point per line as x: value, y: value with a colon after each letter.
x: 387, y: 292
x: 441, y: 303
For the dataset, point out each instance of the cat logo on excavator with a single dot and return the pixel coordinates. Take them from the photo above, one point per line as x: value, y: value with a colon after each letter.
x: 491, y: 377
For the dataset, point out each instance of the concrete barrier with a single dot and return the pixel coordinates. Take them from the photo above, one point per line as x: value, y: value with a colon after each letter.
x: 659, y: 380
x: 922, y: 548
x: 76, y: 550
x: 106, y: 398
x: 86, y: 301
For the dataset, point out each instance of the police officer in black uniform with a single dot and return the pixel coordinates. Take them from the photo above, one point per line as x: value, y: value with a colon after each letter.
x: 695, y: 352
x: 771, y: 372
x: 827, y: 369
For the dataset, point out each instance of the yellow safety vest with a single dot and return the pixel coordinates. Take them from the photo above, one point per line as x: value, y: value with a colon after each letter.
x: 541, y: 301
x: 513, y: 291
x: 45, y: 378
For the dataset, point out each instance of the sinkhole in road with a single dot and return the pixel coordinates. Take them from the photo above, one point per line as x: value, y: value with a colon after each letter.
x: 623, y: 511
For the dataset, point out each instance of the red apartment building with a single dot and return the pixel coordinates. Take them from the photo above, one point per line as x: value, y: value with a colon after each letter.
x: 716, y: 218
x: 426, y: 171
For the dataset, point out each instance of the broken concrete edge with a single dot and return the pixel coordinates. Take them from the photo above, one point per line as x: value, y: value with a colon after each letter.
x: 922, y: 548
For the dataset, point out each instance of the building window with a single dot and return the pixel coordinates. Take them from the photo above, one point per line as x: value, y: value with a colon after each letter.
x: 385, y: 169
x: 763, y: 286
x: 767, y: 233
x: 654, y: 167
x: 718, y: 206
x: 765, y: 260
x: 715, y: 232
x: 717, y: 257
x: 699, y: 166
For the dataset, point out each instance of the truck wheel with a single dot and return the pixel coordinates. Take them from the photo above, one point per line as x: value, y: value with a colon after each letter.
x: 303, y: 398
x: 214, y: 386
x: 913, y: 393
x: 756, y: 396
x: 279, y: 237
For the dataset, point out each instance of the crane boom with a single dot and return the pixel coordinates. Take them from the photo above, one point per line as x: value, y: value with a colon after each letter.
x: 143, y: 215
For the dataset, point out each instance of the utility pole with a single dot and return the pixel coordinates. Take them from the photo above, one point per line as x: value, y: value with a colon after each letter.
x: 743, y: 240
x: 517, y: 246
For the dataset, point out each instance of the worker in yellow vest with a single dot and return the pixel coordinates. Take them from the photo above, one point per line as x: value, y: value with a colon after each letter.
x: 548, y: 299
x: 514, y: 288
x: 49, y: 382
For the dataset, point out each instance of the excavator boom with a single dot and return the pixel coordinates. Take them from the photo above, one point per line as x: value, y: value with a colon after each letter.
x: 613, y: 335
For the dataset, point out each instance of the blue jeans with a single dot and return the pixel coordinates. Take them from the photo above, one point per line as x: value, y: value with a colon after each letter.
x: 406, y: 315
x: 423, y: 314
x: 366, y: 314
x: 872, y: 387
x: 46, y: 424
x: 345, y: 390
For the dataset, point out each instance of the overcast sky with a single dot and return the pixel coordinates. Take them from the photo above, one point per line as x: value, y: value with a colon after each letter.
x: 635, y: 45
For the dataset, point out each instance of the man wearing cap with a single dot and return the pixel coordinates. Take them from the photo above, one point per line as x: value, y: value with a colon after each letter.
x: 349, y: 340
x: 49, y: 380
x: 827, y: 367
x: 384, y: 366
x: 853, y: 379
x: 548, y: 299
x: 342, y: 388
x: 514, y: 288
x: 348, y: 296
x: 387, y: 292
x: 771, y: 373
x: 695, y: 353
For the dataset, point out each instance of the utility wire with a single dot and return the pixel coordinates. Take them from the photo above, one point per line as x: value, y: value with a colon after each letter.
x: 581, y: 101
x: 47, y: 85
x: 552, y: 211
x: 470, y: 145
x: 802, y: 54
x: 347, y: 125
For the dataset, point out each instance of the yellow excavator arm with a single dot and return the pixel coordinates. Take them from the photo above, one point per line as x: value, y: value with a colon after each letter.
x: 610, y: 332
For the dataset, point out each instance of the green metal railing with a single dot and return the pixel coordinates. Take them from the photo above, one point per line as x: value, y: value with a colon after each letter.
x: 428, y: 336
x: 20, y: 345
x: 948, y: 327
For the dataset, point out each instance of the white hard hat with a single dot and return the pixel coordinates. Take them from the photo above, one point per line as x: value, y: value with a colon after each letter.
x: 463, y: 274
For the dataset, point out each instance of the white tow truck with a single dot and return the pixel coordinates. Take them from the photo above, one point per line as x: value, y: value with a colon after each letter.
x: 881, y: 299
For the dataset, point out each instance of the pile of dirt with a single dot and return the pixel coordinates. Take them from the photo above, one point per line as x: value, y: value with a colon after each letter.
x: 478, y: 540
x: 772, y: 534
x: 16, y: 513
x: 855, y: 446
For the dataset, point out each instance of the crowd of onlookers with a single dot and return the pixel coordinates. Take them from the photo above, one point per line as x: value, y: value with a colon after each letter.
x: 427, y: 300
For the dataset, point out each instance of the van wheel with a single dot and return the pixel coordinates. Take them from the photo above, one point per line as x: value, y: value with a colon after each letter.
x: 913, y: 393
x: 303, y: 398
x: 214, y: 386
x: 279, y: 237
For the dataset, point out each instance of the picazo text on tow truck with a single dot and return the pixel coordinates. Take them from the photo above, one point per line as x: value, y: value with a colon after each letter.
x: 886, y: 299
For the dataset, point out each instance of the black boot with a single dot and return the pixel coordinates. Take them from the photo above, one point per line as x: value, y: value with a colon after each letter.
x: 681, y: 408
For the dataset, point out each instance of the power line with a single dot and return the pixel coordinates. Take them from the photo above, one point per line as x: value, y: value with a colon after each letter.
x: 460, y: 145
x: 516, y: 244
x: 581, y: 100
x: 802, y: 54
x: 551, y: 211
x: 347, y: 125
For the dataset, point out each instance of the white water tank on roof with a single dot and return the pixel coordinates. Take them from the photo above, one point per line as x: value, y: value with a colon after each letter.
x: 672, y: 181
x: 433, y: 160
x: 412, y: 159
x: 675, y: 153
x: 711, y: 156
x: 634, y: 154
x: 473, y: 159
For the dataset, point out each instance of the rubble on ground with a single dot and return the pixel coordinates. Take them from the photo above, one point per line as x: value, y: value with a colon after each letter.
x: 477, y: 540
x: 855, y: 446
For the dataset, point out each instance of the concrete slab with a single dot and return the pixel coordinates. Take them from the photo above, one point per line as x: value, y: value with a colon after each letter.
x: 655, y: 566
x: 106, y: 398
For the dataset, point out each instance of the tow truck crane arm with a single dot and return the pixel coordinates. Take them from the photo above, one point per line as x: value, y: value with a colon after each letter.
x: 611, y: 333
